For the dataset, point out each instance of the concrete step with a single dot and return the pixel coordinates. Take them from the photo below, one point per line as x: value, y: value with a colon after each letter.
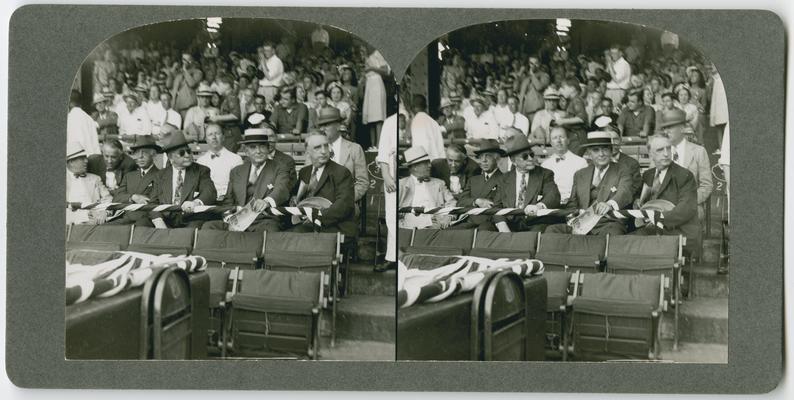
x: 700, y: 320
x: 363, y: 280
x: 366, y: 317
x: 688, y: 352
x: 356, y: 350
x: 707, y: 283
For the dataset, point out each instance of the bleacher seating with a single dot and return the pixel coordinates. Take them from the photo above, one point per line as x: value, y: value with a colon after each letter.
x: 441, y: 242
x: 578, y: 252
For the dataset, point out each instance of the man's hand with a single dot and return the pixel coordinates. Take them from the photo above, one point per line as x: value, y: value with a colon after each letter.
x: 483, y: 203
x: 502, y: 227
x: 531, y: 210
x: 296, y: 131
x: 139, y: 199
x: 260, y: 205
x: 188, y: 207
x: 98, y: 216
x: 388, y: 183
x: 602, y: 208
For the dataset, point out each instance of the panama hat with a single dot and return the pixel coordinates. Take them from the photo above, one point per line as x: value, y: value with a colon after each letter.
x: 257, y: 135
x: 75, y: 150
x: 414, y: 155
x: 598, y: 138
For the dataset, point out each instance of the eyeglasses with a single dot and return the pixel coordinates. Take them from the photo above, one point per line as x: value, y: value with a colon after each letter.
x: 183, y: 152
x: 527, y: 156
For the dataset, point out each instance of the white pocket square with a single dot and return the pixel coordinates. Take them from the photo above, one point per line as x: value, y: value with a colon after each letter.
x: 613, y: 189
x: 195, y: 194
x: 270, y: 186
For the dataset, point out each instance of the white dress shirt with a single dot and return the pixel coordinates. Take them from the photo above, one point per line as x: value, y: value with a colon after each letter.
x: 564, y: 169
x: 621, y: 75
x: 483, y: 126
x: 679, y: 151
x: 136, y: 122
x: 336, y: 149
x: 275, y: 71
x: 220, y: 167
x: 422, y: 198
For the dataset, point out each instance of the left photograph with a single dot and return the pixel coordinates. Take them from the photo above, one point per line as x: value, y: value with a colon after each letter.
x: 226, y: 194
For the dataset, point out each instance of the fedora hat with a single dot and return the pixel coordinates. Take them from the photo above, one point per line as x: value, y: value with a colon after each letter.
x: 99, y: 98
x: 204, y: 90
x: 658, y: 205
x: 598, y: 138
x: 74, y: 150
x: 257, y: 135
x: 414, y: 155
x: 144, y: 142
x: 175, y: 140
x: 672, y: 118
x: 328, y: 115
x: 516, y: 144
x: 489, y: 146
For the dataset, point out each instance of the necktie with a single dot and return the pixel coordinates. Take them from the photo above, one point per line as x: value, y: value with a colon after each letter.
x: 143, y: 173
x: 486, y: 177
x: 597, y: 177
x: 80, y: 175
x: 675, y: 155
x: 178, y: 191
x: 657, y: 183
x: 312, y: 188
x: 522, y: 187
x: 214, y: 156
x: 254, y: 175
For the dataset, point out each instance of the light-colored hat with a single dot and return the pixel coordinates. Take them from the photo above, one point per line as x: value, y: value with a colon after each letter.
x: 99, y: 98
x: 672, y: 117
x: 74, y: 150
x: 256, y: 118
x: 257, y: 135
x: 204, y: 90
x: 551, y: 94
x: 445, y: 102
x: 598, y: 138
x: 328, y: 115
x: 414, y: 155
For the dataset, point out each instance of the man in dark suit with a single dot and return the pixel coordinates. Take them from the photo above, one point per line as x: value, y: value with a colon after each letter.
x: 456, y: 169
x: 331, y: 181
x: 260, y: 181
x: 137, y: 186
x: 674, y: 183
x: 111, y: 165
x: 627, y: 163
x: 527, y: 186
x: 603, y: 186
x: 183, y: 183
x: 481, y: 189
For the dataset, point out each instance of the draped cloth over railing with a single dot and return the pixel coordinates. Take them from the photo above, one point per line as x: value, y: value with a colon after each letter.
x: 310, y: 213
x: 655, y: 217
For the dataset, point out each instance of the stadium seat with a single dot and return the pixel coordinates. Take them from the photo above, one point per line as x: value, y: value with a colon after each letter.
x: 441, y: 242
x: 224, y: 249
x: 174, y: 241
x: 561, y: 252
x: 276, y: 313
x: 219, y: 300
x: 489, y: 244
x: 405, y: 237
x: 650, y: 255
x: 561, y: 289
x: 500, y: 323
x: 308, y: 252
x: 166, y: 307
x: 98, y: 237
x: 617, y: 316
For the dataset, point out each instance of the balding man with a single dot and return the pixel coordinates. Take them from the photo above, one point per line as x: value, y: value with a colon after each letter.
x: 112, y: 165
x: 456, y: 169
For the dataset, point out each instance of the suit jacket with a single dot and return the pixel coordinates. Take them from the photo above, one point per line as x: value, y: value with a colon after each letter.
x: 134, y: 183
x: 631, y: 165
x: 540, y: 189
x: 273, y: 174
x: 440, y: 169
x: 696, y: 160
x: 476, y: 188
x: 196, y: 185
x: 336, y: 185
x: 352, y: 157
x: 96, y: 166
x: 615, y: 177
x: 442, y: 197
x: 288, y: 163
x: 679, y: 188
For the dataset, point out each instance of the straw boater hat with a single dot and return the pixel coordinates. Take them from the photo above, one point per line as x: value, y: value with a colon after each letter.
x: 257, y: 135
x: 672, y: 118
x: 255, y: 118
x: 415, y: 155
x: 142, y: 88
x: 516, y: 144
x: 328, y: 115
x: 445, y: 102
x: 74, y: 150
x: 479, y: 99
x: 551, y: 94
x: 144, y: 142
x: 99, y: 98
x: 489, y: 146
x: 204, y: 90
x: 176, y: 140
x: 598, y: 138
x: 454, y: 96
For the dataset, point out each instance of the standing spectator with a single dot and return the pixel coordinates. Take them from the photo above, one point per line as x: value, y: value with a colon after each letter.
x: 425, y: 131
x: 80, y: 127
x: 620, y: 71
x: 273, y: 70
x: 533, y: 87
x: 185, y: 83
x: 374, y: 109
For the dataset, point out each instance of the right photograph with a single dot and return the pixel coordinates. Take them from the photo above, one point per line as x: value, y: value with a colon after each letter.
x: 563, y: 195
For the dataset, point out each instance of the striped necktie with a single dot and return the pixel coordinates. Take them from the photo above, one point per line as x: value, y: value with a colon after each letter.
x: 178, y: 191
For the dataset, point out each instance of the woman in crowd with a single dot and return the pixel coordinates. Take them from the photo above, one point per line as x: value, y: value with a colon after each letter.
x: 374, y: 108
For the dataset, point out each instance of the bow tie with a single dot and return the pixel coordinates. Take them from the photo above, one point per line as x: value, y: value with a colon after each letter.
x: 424, y: 179
x: 80, y: 175
x: 558, y: 159
x: 214, y: 156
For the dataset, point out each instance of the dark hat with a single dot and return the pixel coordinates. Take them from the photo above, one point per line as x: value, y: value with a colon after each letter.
x: 598, y: 138
x: 328, y: 115
x: 489, y: 146
x: 516, y: 144
x: 672, y: 117
x: 257, y: 135
x: 144, y: 142
x: 175, y: 140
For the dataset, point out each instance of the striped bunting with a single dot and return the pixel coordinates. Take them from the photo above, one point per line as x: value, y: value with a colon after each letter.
x: 428, y: 279
x: 312, y: 214
x: 654, y: 216
x: 120, y: 271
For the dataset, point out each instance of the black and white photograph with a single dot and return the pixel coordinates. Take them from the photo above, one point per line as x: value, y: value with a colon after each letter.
x: 563, y: 196
x: 225, y: 196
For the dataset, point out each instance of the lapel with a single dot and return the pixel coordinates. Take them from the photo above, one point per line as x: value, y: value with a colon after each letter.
x: 510, y: 188
x: 190, y: 180
x: 584, y: 185
x: 666, y: 181
x: 343, y: 151
x: 534, y: 180
x: 689, y: 155
x: 604, y: 192
x: 166, y: 178
x: 323, y: 178
x: 265, y: 177
x: 241, y: 183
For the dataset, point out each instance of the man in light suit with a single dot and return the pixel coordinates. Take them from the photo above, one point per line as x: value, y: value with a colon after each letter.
x: 688, y: 155
x: 420, y: 190
x: 676, y: 184
x: 83, y: 187
x: 344, y: 152
x: 137, y: 186
x: 259, y: 180
x: 183, y: 183
x: 603, y: 185
x: 481, y: 189
x: 527, y: 186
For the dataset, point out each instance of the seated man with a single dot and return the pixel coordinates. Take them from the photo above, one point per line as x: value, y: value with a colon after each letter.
x: 563, y: 162
x: 420, y: 190
x: 111, y: 165
x: 527, y: 186
x: 456, y: 169
x: 259, y: 179
x: 637, y: 119
x: 183, y: 183
x: 604, y: 186
x: 218, y: 159
x: 627, y: 163
x: 674, y: 183
x: 480, y: 189
x: 83, y: 187
x: 137, y: 186
x: 289, y: 116
x: 331, y: 181
x: 344, y: 152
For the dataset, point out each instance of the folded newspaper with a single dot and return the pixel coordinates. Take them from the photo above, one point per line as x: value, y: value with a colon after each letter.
x: 583, y: 223
x: 242, y: 219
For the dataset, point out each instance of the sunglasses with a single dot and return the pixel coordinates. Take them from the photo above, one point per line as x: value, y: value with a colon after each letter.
x: 527, y: 156
x: 183, y: 152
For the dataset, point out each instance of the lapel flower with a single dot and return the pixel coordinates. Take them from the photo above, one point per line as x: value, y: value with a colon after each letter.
x: 540, y: 197
x: 613, y: 189
x: 270, y: 186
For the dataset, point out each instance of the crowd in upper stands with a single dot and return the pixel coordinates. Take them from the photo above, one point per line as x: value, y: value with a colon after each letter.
x: 543, y: 130
x: 152, y: 102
